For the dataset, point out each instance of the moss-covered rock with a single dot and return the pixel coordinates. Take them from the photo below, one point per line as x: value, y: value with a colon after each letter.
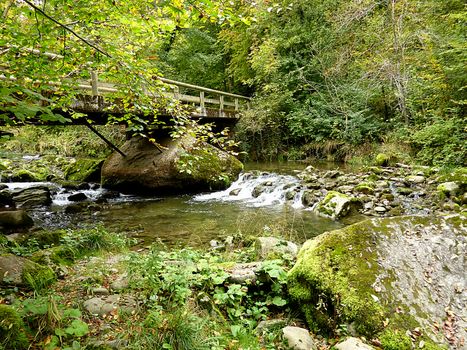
x: 186, y: 165
x: 84, y: 169
x: 382, y: 159
x: 22, y: 272
x: 361, y: 274
x: 12, y: 333
x: 334, y: 205
x: 365, y: 187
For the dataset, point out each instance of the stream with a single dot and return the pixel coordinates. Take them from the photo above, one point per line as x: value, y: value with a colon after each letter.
x: 195, y: 220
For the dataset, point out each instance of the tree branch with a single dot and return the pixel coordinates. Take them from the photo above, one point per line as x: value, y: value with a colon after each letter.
x: 67, y: 28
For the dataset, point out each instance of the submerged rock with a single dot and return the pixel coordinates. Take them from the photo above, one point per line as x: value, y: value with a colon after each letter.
x: 362, y: 273
x: 186, y: 165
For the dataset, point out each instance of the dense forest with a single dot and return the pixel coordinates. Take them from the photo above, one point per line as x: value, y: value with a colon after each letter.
x: 327, y: 77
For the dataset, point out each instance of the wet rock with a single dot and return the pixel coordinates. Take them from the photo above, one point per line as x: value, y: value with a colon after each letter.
x: 335, y: 205
x: 115, y: 303
x: 449, y: 188
x: 290, y: 195
x: 3, y: 186
x: 404, y: 191
x: 268, y: 247
x: 380, y: 210
x: 186, y: 165
x: 353, y: 344
x: 235, y: 192
x: 15, y: 219
x: 258, y: 190
x: 77, y: 197
x: 309, y: 198
x: 345, y: 188
x: 32, y: 197
x: 365, y: 188
x: 332, y: 174
x: 314, y: 185
x: 298, y: 338
x: 5, y: 198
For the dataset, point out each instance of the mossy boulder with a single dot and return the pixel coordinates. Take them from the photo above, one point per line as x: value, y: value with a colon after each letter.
x: 365, y: 187
x: 84, y: 169
x: 361, y: 274
x: 334, y: 205
x: 22, y: 272
x: 184, y: 165
x: 382, y: 159
x: 450, y: 189
x: 15, y: 219
x: 12, y: 329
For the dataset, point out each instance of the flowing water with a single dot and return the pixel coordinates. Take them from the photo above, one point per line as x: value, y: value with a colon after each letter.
x: 195, y: 220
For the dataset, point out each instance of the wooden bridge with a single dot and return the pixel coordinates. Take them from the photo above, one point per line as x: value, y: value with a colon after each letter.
x: 93, y: 97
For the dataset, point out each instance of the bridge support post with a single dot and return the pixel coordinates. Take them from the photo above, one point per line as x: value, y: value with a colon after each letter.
x: 202, y: 103
x: 221, y: 106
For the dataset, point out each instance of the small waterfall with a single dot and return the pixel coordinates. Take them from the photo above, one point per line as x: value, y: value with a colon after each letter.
x: 259, y: 189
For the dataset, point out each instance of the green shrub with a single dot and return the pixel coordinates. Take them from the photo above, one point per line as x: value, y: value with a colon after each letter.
x: 442, y: 142
x: 12, y: 335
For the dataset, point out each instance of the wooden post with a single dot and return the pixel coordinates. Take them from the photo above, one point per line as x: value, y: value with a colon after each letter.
x: 221, y: 106
x: 94, y: 83
x: 202, y: 103
x: 177, y: 93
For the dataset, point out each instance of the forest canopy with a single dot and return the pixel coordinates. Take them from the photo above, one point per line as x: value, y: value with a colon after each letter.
x: 326, y: 76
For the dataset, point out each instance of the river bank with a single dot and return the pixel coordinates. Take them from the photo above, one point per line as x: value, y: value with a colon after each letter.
x: 234, y: 289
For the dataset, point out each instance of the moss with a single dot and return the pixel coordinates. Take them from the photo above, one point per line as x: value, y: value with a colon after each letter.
x: 12, y: 334
x: 207, y: 165
x: 23, y: 175
x: 382, y: 159
x: 328, y: 207
x: 84, y: 169
x: 332, y: 281
x: 395, y: 340
x: 365, y: 187
x: 38, y: 276
x: 61, y: 255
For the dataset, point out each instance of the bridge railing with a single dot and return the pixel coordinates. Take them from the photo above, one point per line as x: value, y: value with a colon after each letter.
x: 204, y: 102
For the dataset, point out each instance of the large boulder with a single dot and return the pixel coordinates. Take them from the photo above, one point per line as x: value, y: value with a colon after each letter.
x: 402, y: 273
x: 31, y: 197
x: 186, y: 164
x: 15, y: 219
x: 22, y: 272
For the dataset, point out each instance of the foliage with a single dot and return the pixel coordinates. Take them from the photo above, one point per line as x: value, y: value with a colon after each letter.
x: 176, y: 281
x: 46, y: 315
x: 358, y: 71
x: 442, y: 142
x: 12, y: 335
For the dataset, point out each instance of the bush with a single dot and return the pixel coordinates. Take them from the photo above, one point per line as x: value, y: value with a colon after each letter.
x: 12, y: 335
x: 442, y: 142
